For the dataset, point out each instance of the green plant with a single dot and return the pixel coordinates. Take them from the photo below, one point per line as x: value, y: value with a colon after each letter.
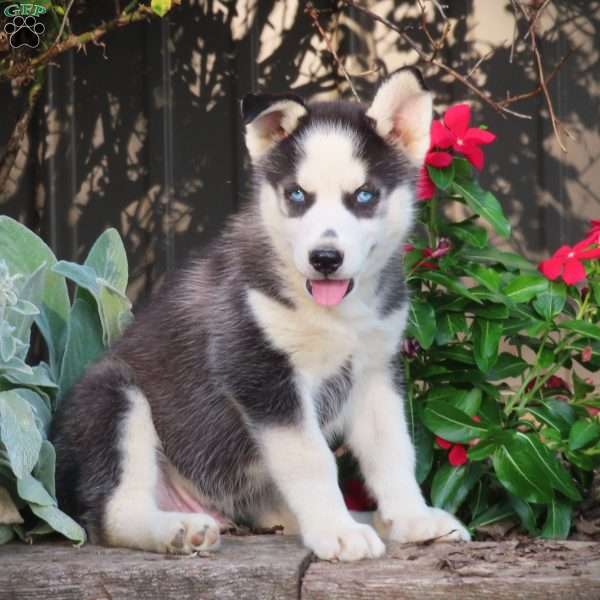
x: 498, y: 433
x: 33, y: 294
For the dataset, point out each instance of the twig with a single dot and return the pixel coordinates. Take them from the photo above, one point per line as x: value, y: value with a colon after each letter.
x: 313, y: 13
x: 76, y: 41
x: 501, y: 106
x: 64, y: 22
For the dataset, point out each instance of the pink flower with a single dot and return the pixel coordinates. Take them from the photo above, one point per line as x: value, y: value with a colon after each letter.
x: 454, y: 132
x: 566, y: 261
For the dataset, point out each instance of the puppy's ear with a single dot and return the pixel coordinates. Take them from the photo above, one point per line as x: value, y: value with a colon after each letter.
x: 269, y: 118
x: 402, y: 111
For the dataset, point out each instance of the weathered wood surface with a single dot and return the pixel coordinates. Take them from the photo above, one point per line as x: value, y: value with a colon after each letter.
x: 249, y: 568
x: 274, y: 567
x: 502, y: 571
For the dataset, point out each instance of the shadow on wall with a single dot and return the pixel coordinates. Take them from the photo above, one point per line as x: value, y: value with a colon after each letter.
x: 144, y: 134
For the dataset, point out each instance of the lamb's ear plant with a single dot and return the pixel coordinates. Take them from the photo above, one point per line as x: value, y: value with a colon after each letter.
x: 500, y: 353
x: 34, y: 297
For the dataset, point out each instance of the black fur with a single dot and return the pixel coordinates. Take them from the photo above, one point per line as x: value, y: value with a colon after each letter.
x: 186, y: 350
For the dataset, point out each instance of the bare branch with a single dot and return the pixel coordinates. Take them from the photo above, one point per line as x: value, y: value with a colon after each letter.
x: 313, y: 13
x: 27, y: 69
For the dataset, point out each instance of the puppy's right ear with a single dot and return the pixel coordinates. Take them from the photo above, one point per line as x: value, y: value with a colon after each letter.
x: 269, y: 118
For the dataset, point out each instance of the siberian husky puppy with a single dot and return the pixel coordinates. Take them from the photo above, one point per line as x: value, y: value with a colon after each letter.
x: 218, y: 403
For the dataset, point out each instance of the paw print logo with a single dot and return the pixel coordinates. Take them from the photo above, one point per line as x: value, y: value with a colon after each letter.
x: 24, y: 31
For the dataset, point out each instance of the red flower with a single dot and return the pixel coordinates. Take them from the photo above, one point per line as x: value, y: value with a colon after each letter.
x: 454, y: 132
x: 595, y: 231
x: 566, y: 261
x: 458, y: 453
x: 425, y: 187
x: 554, y: 382
x: 356, y: 496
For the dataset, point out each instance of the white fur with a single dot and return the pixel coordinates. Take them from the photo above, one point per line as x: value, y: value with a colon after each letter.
x: 402, y: 112
x: 388, y: 465
x: 304, y: 470
x: 270, y: 126
x: 132, y: 516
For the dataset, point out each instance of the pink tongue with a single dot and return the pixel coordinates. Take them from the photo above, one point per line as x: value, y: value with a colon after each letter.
x: 329, y: 292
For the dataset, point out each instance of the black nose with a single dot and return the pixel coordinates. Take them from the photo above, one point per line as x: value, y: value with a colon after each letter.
x: 326, y: 260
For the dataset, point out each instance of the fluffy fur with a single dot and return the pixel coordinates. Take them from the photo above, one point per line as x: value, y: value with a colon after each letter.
x: 219, y: 402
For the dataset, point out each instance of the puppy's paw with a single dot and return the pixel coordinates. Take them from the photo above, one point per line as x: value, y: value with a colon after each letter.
x: 427, y: 523
x: 188, y: 533
x: 351, y: 541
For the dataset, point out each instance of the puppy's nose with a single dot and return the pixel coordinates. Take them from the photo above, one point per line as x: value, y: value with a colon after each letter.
x: 326, y: 260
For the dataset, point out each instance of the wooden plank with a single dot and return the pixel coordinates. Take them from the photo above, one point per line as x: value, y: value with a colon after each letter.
x: 245, y: 568
x: 511, y: 570
x: 274, y: 567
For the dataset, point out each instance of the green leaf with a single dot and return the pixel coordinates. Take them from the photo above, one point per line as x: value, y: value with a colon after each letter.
x: 451, y: 485
x: 497, y: 512
x: 557, y: 476
x: 550, y: 303
x: 450, y: 423
x: 582, y: 327
x: 518, y: 470
x: 421, y: 322
x: 32, y: 491
x: 38, y: 376
x: 60, y: 522
x: 32, y: 290
x: 581, y: 388
x: 510, y: 260
x: 468, y: 402
x: 558, y: 520
x: 44, y: 471
x: 422, y: 441
x: 525, y: 513
x: 84, y: 343
x: 451, y: 284
x: 487, y: 277
x: 161, y: 7
x: 83, y: 276
x: 115, y: 314
x: 486, y: 340
x: 525, y: 287
x: 482, y: 450
x: 583, y: 433
x: 469, y: 233
x: 19, y: 433
x: 448, y: 325
x: 507, y: 365
x: 561, y: 409
x: 108, y: 258
x: 24, y: 252
x: 442, y: 177
x: 456, y: 353
x: 484, y: 204
x: 544, y: 415
x: 39, y: 406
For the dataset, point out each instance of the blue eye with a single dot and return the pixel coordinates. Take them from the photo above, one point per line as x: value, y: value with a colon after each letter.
x: 296, y: 195
x: 364, y: 196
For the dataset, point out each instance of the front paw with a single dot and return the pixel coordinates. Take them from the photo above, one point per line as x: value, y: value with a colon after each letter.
x: 427, y: 523
x: 351, y: 541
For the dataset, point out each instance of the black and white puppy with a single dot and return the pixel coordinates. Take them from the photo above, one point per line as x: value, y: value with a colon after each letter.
x: 218, y: 403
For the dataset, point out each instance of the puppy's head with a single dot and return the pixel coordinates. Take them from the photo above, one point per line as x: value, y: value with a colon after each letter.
x: 336, y: 180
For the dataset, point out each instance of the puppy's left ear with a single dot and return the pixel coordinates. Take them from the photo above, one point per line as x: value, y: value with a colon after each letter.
x: 269, y: 118
x: 402, y: 111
